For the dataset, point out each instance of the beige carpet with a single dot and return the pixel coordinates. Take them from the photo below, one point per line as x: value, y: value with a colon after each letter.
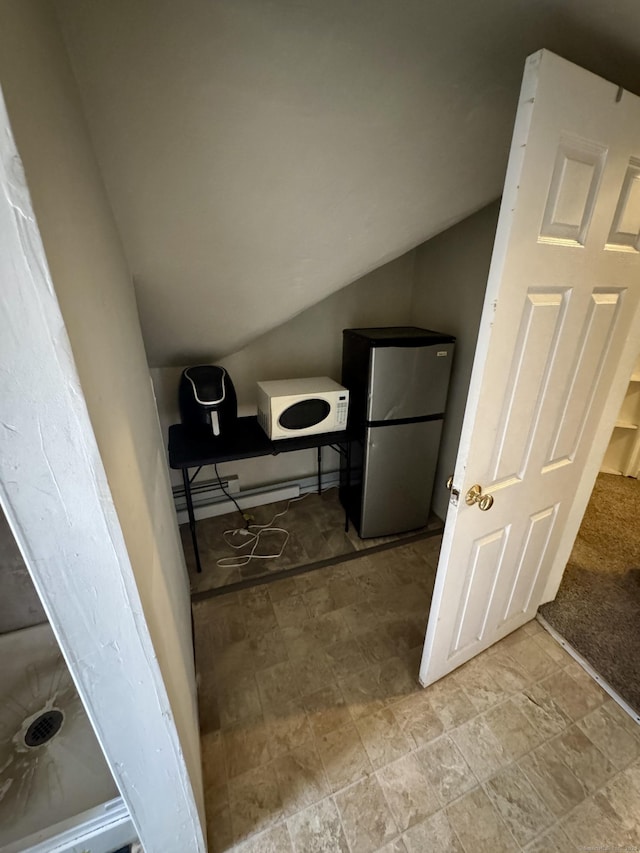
x: 609, y: 537
x: 597, y: 609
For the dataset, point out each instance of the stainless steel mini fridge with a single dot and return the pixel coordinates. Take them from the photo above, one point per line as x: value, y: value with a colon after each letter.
x: 398, y: 378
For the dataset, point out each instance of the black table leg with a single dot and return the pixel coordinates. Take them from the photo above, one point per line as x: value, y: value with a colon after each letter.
x: 319, y: 470
x: 348, y: 489
x: 192, y: 518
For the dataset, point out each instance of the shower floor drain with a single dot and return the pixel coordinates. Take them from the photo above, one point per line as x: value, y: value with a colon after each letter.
x: 44, y: 727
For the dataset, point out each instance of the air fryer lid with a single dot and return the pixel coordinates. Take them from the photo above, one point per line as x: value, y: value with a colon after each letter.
x: 208, y: 382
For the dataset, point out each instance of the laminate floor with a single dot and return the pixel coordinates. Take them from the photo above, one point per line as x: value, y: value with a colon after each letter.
x: 317, y: 737
x: 315, y: 524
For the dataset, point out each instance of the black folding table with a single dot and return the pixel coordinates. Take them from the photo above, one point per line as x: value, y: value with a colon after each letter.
x: 193, y: 449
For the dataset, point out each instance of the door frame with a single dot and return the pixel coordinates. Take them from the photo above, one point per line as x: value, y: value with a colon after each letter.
x: 56, y: 496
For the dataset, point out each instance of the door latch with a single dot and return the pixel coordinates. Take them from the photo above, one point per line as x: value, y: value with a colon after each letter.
x: 455, y: 494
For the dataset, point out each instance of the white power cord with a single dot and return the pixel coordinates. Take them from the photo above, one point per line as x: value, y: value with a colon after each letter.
x: 251, y: 535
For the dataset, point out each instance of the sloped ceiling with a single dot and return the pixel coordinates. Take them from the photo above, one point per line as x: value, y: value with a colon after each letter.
x: 261, y: 154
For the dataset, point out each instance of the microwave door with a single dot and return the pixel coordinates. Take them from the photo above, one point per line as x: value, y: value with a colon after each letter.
x: 303, y: 415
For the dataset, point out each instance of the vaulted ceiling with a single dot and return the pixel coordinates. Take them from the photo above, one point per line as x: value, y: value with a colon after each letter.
x: 261, y: 154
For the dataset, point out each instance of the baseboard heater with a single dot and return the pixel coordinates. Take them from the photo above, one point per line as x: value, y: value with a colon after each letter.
x: 209, y: 498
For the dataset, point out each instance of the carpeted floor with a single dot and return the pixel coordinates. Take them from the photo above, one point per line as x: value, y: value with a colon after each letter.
x: 597, y: 609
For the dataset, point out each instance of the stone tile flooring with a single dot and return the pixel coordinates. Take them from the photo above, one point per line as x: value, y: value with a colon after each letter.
x: 317, y: 737
x: 316, y: 532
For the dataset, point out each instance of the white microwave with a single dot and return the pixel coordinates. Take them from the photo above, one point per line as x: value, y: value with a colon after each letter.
x: 292, y: 407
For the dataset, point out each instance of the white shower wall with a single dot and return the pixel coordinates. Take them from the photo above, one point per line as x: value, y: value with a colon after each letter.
x: 46, y: 785
x: 56, y: 793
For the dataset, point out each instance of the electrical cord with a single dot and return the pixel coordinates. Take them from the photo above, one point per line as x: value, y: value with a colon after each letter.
x: 251, y: 535
x: 245, y: 516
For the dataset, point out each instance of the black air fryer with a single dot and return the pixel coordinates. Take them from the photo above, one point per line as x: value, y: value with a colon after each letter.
x: 207, y: 399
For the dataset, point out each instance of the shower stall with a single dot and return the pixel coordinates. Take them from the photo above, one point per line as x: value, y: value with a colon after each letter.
x: 57, y: 793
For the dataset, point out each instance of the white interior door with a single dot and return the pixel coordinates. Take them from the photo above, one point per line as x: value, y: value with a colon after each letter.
x: 557, y: 340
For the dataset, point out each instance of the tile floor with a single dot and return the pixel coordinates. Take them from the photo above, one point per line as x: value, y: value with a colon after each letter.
x: 316, y: 736
x: 316, y: 532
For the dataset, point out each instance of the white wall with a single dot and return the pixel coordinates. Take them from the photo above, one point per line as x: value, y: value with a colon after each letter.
x: 94, y: 289
x: 308, y: 345
x: 450, y: 282
x: 440, y: 285
x: 260, y: 156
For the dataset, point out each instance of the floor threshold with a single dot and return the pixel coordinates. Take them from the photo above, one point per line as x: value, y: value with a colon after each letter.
x: 260, y: 580
x: 584, y: 663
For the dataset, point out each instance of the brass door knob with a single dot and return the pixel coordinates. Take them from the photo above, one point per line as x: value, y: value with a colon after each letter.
x: 475, y: 496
